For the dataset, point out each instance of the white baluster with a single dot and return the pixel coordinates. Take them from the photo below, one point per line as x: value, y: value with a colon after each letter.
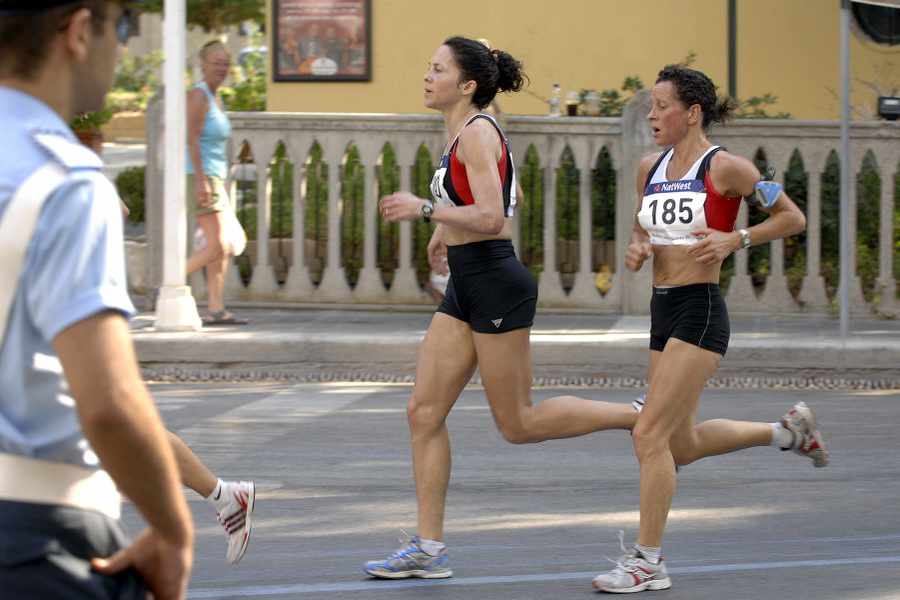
x: 405, y: 287
x: 550, y: 289
x: 334, y: 286
x: 370, y: 288
x: 584, y: 291
x: 299, y: 284
x: 263, y: 284
x: 812, y: 293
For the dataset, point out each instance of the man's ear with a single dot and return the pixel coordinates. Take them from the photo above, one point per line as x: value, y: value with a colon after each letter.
x: 78, y: 34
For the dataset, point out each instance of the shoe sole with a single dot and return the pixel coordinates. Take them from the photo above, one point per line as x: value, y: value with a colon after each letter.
x: 248, y: 523
x: 652, y: 585
x: 409, y: 574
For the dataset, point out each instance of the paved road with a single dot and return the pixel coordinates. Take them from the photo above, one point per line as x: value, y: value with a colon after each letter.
x: 332, y: 467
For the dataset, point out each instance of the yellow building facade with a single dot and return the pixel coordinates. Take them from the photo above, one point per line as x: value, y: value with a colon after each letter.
x: 789, y: 48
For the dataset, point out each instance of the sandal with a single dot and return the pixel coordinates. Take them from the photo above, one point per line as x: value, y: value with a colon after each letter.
x: 223, y: 317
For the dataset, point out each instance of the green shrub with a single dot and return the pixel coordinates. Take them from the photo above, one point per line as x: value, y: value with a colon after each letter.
x: 130, y: 185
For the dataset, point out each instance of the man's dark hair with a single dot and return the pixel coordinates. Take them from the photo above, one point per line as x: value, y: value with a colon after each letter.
x: 694, y: 87
x: 25, y: 39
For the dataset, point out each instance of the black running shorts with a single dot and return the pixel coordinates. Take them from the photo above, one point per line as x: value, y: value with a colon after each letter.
x: 489, y: 288
x: 694, y: 313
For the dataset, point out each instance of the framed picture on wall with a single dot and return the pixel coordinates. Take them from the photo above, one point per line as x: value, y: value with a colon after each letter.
x: 322, y: 40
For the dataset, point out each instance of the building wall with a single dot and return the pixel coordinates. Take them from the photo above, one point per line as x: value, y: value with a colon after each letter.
x: 784, y: 48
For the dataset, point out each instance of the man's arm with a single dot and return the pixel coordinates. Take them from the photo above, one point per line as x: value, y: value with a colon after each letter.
x: 123, y: 426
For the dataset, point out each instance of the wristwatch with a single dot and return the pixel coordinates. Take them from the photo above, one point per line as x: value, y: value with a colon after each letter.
x: 745, y: 238
x: 427, y: 210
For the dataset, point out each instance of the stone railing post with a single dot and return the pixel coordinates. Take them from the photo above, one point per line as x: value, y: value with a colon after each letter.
x: 550, y: 290
x: 776, y: 296
x: 812, y: 293
x: 299, y: 284
x: 334, y: 286
x: 887, y: 285
x: 584, y: 291
x: 405, y: 287
x: 858, y: 304
x: 369, y: 288
x: 637, y: 141
x: 263, y: 283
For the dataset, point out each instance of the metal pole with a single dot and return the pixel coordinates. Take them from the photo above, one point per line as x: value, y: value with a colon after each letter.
x: 175, y: 308
x: 732, y: 48
x: 844, y: 287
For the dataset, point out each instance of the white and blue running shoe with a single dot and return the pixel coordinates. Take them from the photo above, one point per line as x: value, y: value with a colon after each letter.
x: 411, y: 561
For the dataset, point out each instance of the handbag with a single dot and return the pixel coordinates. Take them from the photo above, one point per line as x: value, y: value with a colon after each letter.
x: 233, y: 232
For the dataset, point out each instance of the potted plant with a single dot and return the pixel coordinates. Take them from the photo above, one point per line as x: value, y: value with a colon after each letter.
x: 87, y: 127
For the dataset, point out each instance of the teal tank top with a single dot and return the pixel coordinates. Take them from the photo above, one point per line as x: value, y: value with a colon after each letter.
x: 213, y: 138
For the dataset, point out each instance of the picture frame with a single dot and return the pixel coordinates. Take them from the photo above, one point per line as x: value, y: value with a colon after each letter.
x: 322, y: 40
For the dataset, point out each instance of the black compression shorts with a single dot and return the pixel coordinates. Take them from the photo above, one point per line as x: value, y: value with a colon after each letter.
x: 694, y: 313
x: 489, y: 288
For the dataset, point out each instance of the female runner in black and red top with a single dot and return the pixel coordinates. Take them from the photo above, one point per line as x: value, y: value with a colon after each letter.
x: 486, y: 316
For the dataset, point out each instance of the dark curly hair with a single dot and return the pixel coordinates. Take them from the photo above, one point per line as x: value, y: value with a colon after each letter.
x: 492, y: 70
x: 694, y: 87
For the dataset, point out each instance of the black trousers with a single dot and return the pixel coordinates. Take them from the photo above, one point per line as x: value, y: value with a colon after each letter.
x: 45, y: 553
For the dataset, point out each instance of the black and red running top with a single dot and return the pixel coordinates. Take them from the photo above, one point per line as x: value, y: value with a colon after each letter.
x: 450, y: 184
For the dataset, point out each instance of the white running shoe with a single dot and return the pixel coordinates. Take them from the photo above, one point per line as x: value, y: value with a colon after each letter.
x: 808, y: 442
x: 238, y: 499
x: 632, y: 573
x: 638, y: 403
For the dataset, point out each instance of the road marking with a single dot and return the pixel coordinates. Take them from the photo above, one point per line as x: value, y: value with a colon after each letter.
x: 281, y: 413
x: 378, y: 586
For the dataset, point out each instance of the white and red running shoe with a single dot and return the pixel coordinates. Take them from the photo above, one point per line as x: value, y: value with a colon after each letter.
x: 808, y: 442
x: 632, y: 573
x: 236, y: 514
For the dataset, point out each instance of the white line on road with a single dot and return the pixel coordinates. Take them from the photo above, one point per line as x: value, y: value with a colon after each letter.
x: 378, y: 586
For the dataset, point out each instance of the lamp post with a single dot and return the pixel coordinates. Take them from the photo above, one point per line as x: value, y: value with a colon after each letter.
x: 176, y: 309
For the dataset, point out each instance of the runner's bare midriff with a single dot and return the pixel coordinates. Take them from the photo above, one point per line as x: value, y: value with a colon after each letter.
x: 455, y: 237
x: 672, y: 265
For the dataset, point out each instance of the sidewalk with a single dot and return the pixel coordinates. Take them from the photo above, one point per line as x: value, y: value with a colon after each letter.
x: 311, y: 340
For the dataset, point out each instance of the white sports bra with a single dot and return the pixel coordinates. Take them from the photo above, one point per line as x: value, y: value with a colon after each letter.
x: 671, y: 211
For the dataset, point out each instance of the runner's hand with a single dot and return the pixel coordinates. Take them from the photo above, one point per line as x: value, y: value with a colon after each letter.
x: 165, y: 567
x: 635, y: 255
x: 401, y: 206
x: 714, y: 247
x: 437, y: 256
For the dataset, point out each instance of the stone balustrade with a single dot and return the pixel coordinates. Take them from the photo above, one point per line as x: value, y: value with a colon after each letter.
x: 551, y: 144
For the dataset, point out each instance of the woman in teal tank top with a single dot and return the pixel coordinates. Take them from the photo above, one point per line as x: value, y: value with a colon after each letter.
x: 207, y: 166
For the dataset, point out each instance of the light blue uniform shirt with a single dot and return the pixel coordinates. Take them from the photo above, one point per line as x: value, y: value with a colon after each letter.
x: 74, y: 268
x: 213, y: 138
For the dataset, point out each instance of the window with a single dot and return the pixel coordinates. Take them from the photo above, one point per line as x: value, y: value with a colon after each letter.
x: 880, y: 23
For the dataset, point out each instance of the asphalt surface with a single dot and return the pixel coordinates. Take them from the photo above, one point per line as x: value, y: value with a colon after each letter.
x: 332, y: 466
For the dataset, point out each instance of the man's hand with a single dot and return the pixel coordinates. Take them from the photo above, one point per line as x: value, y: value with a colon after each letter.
x: 714, y: 247
x: 165, y: 567
x: 636, y: 253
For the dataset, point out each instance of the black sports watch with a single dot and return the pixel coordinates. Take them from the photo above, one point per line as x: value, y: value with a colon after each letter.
x: 427, y: 211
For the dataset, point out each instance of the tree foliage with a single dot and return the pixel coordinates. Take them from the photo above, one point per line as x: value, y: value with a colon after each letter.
x: 214, y: 15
